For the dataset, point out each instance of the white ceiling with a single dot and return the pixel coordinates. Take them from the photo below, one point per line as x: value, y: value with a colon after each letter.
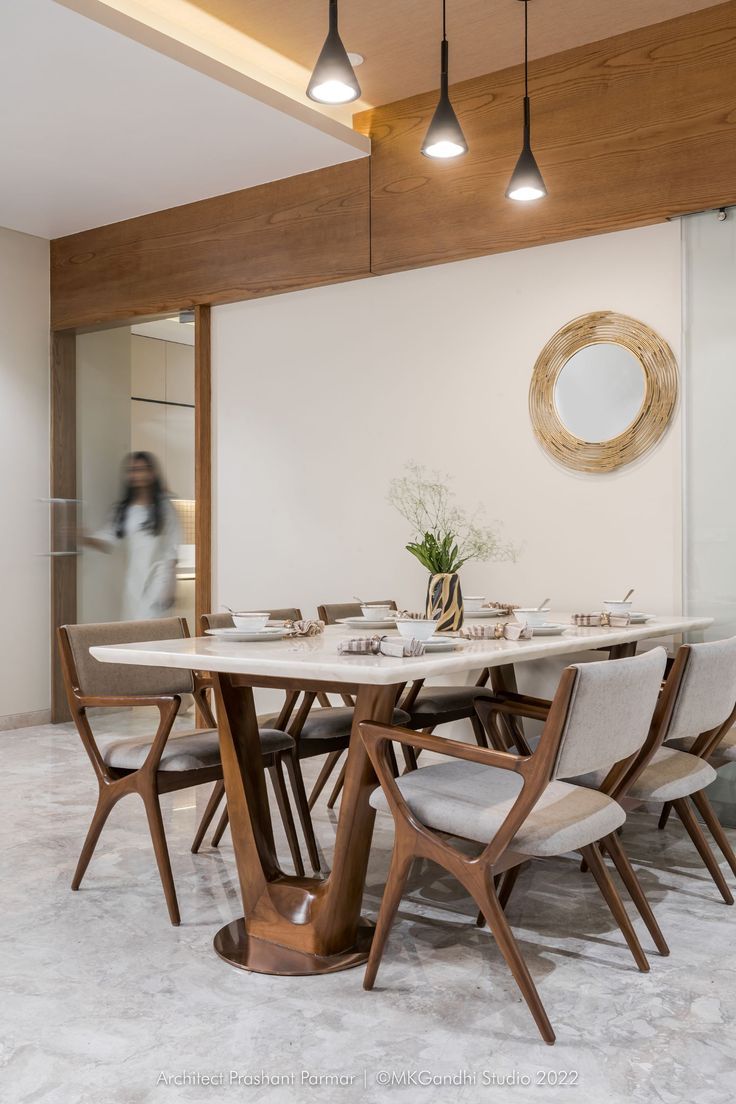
x: 95, y: 127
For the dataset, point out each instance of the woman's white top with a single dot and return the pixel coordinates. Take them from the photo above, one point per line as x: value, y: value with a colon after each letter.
x: 150, y: 574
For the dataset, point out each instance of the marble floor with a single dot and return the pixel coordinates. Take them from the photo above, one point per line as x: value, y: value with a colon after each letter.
x: 103, y: 1001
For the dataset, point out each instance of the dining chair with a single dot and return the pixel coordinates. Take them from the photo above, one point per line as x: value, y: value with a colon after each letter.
x: 270, y: 722
x: 148, y: 765
x: 518, y: 807
x: 676, y: 765
x: 427, y: 707
x: 332, y: 613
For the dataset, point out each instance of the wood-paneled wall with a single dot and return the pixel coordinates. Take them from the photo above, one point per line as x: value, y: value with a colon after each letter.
x: 627, y: 131
x: 294, y: 233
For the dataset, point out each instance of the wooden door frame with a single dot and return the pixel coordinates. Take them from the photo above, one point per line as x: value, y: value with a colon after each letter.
x: 63, y: 480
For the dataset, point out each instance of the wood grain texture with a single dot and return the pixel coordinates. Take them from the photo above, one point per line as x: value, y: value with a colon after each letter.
x: 627, y: 132
x: 400, y: 41
x: 202, y: 462
x: 63, y: 485
x: 295, y: 233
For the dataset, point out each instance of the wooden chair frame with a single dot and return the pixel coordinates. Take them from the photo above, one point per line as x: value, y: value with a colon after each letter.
x: 479, y: 874
x: 147, y: 781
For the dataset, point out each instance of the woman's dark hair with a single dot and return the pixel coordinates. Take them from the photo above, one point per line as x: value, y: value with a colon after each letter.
x: 155, y: 520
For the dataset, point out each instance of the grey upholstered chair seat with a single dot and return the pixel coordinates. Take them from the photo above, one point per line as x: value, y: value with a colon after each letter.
x: 326, y: 724
x: 670, y: 775
x: 434, y: 700
x: 725, y: 750
x: 472, y: 800
x: 191, y: 751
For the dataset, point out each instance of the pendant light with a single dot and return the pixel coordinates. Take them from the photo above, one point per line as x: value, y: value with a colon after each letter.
x: 333, y: 80
x: 526, y: 183
x: 445, y: 137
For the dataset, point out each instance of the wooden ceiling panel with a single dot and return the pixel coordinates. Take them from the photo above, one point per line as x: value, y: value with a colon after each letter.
x: 400, y: 38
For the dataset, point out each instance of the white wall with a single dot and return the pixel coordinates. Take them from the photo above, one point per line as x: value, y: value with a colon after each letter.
x: 24, y: 456
x: 441, y: 359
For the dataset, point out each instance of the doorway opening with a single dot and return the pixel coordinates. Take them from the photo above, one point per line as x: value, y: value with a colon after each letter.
x: 141, y: 389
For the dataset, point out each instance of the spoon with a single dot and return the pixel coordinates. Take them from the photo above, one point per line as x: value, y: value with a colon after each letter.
x: 542, y: 604
x: 628, y: 595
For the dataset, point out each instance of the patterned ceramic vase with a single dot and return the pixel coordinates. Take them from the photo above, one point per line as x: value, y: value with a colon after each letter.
x: 445, y: 601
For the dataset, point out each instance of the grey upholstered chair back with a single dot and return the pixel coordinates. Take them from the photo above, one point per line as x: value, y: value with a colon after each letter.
x: 611, y: 711
x: 332, y: 612
x: 225, y: 620
x: 97, y: 679
x: 707, y: 692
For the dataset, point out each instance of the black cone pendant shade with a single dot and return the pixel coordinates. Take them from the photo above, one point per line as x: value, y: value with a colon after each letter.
x: 526, y: 182
x: 444, y: 137
x: 333, y: 79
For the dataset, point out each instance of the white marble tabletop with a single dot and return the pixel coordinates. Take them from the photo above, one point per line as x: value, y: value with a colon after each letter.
x: 316, y: 659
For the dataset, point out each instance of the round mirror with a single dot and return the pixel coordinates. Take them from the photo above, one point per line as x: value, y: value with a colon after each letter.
x: 600, y: 391
x: 603, y: 391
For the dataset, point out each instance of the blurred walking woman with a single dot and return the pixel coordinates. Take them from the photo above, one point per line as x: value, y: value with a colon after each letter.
x: 145, y: 520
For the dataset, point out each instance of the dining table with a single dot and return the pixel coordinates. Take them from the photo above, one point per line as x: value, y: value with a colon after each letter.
x: 313, y: 925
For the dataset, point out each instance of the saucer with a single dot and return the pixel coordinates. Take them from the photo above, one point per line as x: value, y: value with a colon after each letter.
x: 269, y: 633
x: 365, y: 623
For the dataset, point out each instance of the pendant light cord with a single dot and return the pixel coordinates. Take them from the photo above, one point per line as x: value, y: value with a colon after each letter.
x: 444, y: 20
x: 526, y: 47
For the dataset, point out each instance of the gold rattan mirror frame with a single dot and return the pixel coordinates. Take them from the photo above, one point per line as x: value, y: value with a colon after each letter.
x: 660, y: 394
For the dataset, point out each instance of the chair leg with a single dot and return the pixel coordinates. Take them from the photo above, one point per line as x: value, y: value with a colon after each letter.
x: 161, y: 851
x: 664, y: 816
x: 222, y: 825
x: 628, y: 876
x: 708, y: 813
x: 410, y: 759
x: 695, y: 832
x: 337, y: 787
x: 326, y: 770
x: 485, y: 895
x: 507, y: 884
x: 105, y: 805
x: 478, y: 730
x: 293, y: 769
x: 395, y: 883
x: 605, y: 883
x: 287, y: 817
x: 218, y: 792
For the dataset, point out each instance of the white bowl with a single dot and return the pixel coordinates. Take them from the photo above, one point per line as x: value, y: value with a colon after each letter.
x: 617, y: 607
x: 533, y: 617
x: 473, y: 603
x: 376, y: 612
x: 251, y: 622
x: 415, y: 628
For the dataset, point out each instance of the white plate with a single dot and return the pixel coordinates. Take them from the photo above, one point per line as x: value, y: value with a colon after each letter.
x: 272, y: 633
x: 364, y: 623
x: 640, y: 618
x: 486, y: 613
x: 548, y: 630
x: 443, y: 645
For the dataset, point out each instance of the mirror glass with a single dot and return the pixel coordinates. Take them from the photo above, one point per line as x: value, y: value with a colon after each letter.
x: 599, y: 391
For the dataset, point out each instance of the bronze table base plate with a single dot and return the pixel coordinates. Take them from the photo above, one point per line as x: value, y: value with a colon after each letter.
x: 258, y: 956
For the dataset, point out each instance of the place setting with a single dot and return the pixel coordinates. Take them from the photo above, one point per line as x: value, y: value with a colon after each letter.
x: 257, y: 627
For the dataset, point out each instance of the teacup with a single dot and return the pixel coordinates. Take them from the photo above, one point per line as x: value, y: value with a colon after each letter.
x: 617, y: 607
x: 532, y: 617
x: 376, y: 611
x: 416, y: 628
x: 473, y: 604
x: 251, y: 622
